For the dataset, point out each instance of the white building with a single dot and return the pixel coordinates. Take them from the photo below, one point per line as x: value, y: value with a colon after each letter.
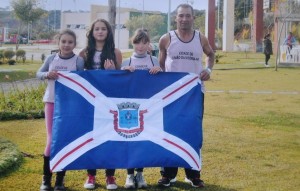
x: 80, y: 22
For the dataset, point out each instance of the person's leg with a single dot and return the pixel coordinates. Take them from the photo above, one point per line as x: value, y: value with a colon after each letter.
x: 110, y: 179
x: 90, y: 182
x: 110, y: 172
x: 47, y: 175
x: 130, y: 183
x: 59, y: 182
x: 49, y: 108
x: 139, y: 178
x: 130, y: 171
x: 168, y: 175
x: 92, y: 172
x: 193, y: 177
x: 267, y: 59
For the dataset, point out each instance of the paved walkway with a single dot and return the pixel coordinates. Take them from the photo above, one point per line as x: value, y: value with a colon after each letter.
x: 6, y: 87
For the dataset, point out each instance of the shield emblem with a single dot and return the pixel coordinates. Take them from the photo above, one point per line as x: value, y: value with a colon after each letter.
x: 130, y: 120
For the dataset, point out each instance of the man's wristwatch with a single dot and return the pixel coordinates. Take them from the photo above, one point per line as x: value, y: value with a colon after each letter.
x: 208, y: 70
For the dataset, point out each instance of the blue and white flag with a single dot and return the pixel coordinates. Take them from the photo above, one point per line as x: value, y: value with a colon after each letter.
x: 121, y: 119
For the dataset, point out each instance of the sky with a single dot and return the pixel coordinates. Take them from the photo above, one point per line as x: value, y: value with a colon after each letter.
x: 147, y: 5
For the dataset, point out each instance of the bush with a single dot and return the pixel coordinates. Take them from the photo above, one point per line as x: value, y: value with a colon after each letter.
x: 10, y: 156
x: 1, y: 55
x: 25, y: 104
x: 20, y: 54
x: 9, y: 54
x: 11, y: 62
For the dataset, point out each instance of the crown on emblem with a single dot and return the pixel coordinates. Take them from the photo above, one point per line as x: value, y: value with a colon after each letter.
x: 128, y: 105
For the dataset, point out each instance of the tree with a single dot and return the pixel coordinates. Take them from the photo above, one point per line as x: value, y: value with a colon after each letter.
x: 112, y: 14
x: 150, y: 22
x: 27, y: 11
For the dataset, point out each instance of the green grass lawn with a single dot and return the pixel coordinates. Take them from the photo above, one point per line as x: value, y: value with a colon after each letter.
x: 251, y: 135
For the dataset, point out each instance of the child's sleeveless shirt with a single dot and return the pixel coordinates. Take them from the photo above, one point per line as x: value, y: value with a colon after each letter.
x: 58, y: 64
x: 141, y: 62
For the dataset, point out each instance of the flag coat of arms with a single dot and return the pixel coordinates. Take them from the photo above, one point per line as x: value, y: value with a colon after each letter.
x: 121, y: 119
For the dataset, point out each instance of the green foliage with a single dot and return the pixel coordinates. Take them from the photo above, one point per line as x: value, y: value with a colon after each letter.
x: 15, y: 76
x: 20, y: 54
x: 9, y: 54
x: 11, y: 62
x: 22, y: 104
x: 27, y: 10
x: 10, y: 156
x: 1, y: 55
x: 151, y: 22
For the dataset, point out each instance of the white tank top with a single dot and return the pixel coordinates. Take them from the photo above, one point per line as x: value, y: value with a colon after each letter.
x: 184, y: 56
x: 141, y: 63
x: 58, y: 64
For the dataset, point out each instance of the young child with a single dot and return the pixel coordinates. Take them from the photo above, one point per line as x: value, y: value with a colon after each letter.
x: 140, y: 60
x: 101, y: 54
x: 64, y: 60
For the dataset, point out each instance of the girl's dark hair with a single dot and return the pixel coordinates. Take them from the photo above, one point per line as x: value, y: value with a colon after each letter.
x: 108, y: 51
x: 140, y: 35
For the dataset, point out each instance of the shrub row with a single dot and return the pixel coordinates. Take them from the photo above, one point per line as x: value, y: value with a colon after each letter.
x: 22, y: 104
x: 7, y: 55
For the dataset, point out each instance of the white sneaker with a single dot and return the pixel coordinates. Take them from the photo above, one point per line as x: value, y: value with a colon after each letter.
x: 139, y: 178
x: 90, y: 182
x: 111, y: 183
x: 173, y: 180
x: 129, y: 181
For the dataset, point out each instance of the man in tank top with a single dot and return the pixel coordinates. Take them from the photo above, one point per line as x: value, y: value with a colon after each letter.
x: 182, y: 50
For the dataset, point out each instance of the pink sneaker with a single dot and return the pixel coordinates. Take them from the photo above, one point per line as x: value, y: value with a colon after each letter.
x: 90, y: 182
x: 111, y: 183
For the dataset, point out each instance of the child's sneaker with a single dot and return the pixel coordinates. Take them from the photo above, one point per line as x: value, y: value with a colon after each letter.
x: 196, y: 182
x: 140, y: 181
x: 46, y: 183
x: 59, y: 183
x: 111, y: 183
x: 90, y: 182
x: 129, y: 181
x: 173, y: 180
x: 164, y: 181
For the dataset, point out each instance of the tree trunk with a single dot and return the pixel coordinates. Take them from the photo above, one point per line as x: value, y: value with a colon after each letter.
x: 112, y: 14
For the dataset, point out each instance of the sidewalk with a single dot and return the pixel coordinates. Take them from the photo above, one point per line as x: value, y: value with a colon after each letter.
x: 6, y: 87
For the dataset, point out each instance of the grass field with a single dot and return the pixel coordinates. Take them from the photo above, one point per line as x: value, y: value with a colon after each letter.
x: 251, y: 135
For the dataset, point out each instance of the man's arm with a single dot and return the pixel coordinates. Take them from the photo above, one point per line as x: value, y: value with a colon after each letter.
x: 163, y: 43
x: 210, y: 60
